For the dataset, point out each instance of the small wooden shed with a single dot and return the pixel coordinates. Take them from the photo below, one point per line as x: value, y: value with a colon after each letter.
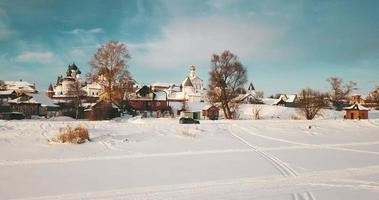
x: 356, y: 111
x: 210, y: 112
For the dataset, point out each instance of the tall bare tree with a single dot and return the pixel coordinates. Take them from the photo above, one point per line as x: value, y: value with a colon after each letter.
x: 227, y: 76
x: 311, y: 102
x: 340, y: 91
x: 76, y: 92
x: 109, y: 69
x: 2, y: 85
x: 374, y: 95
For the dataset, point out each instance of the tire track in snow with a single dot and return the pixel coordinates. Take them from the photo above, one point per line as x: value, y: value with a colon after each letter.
x: 245, y: 188
x: 283, y: 167
x: 120, y: 157
x: 310, y: 146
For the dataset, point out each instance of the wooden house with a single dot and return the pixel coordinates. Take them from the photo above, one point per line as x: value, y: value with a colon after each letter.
x: 356, y: 111
x: 147, y: 100
x: 287, y: 100
x: 34, y: 104
x: 210, y: 112
x: 5, y: 97
x: 102, y: 110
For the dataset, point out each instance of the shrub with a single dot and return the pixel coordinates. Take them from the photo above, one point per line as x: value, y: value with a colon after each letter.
x: 186, y: 133
x: 77, y: 135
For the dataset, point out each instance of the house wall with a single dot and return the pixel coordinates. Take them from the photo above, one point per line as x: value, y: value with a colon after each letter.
x: 356, y: 114
x: 27, y: 108
x: 212, y: 113
x: 148, y: 105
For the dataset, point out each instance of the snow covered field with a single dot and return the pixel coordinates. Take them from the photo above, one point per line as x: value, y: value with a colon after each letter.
x: 161, y: 159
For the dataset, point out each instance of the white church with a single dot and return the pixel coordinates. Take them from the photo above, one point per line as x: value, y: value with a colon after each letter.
x: 191, y: 89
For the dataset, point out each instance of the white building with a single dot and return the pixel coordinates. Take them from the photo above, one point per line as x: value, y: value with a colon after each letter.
x: 191, y: 88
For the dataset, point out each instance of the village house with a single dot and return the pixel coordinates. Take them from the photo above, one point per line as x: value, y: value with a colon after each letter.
x: 145, y: 99
x: 5, y: 97
x: 34, y: 105
x: 210, y: 112
x: 287, y: 100
x: 20, y: 87
x: 356, y: 111
x: 101, y: 110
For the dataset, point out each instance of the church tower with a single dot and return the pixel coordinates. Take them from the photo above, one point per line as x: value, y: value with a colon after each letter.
x: 50, y: 91
x: 192, y: 73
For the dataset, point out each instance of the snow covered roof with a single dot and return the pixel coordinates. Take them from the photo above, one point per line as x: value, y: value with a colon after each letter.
x: 356, y: 107
x: 206, y: 107
x: 241, y: 97
x: 288, y: 98
x: 159, y: 84
x: 160, y: 96
x: 19, y: 85
x: 43, y: 100
x: 35, y: 99
x: 6, y: 92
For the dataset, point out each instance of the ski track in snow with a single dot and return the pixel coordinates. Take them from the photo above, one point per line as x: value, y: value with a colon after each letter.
x: 299, y: 185
x: 242, y: 188
x: 314, y: 146
x: 283, y: 167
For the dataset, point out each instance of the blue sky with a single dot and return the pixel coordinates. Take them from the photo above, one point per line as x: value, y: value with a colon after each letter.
x: 285, y: 45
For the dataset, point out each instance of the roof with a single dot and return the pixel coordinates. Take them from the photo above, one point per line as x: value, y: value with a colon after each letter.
x: 241, y: 97
x: 160, y: 96
x: 159, y: 84
x: 35, y: 99
x: 50, y: 88
x: 287, y: 98
x: 206, y: 107
x: 356, y: 107
x: 187, y: 82
x: 43, y: 100
x: 19, y: 85
x: 6, y: 92
x: 251, y: 87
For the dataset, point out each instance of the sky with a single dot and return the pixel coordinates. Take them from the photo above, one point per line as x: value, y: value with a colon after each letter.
x: 285, y: 45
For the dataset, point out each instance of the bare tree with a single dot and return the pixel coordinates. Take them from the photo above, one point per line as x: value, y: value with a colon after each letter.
x: 77, y: 93
x: 374, y: 95
x: 109, y: 69
x: 227, y: 75
x: 257, y: 111
x: 340, y: 91
x: 311, y: 102
x: 2, y: 85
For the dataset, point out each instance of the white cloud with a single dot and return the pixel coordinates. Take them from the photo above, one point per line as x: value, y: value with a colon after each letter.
x: 36, y: 57
x: 188, y: 42
x: 79, y: 31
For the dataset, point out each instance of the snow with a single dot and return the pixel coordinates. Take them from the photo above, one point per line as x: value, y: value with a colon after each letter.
x: 17, y: 85
x: 160, y: 96
x: 281, y: 112
x: 43, y: 100
x: 36, y: 99
x: 135, y: 158
x: 355, y: 106
x: 6, y: 92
